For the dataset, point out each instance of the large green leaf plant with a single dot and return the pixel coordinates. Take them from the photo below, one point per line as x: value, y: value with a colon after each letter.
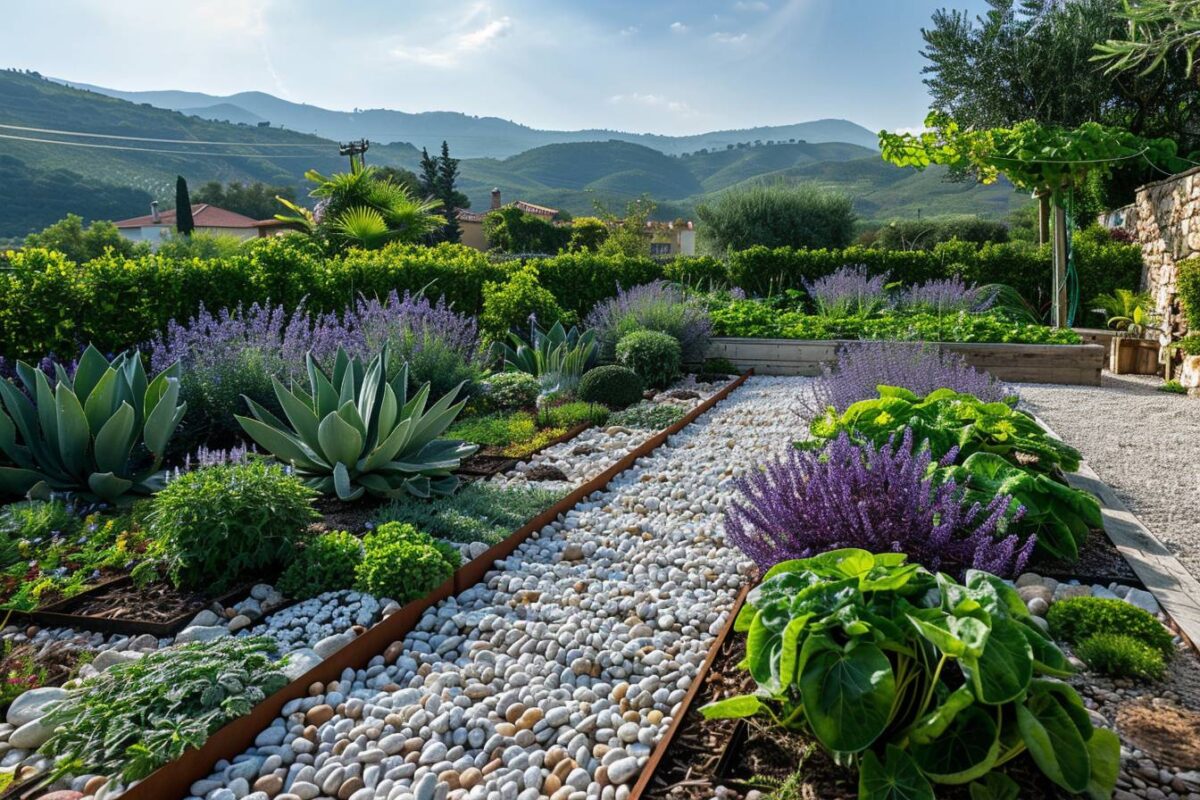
x: 355, y: 432
x: 915, y: 678
x: 101, y: 432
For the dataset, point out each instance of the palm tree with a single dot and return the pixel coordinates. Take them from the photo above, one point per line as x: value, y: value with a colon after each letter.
x: 363, y: 209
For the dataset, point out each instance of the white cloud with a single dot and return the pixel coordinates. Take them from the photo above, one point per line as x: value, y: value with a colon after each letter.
x: 751, y: 5
x: 730, y: 38
x: 678, y: 27
x: 630, y: 31
x: 650, y: 100
x: 450, y: 50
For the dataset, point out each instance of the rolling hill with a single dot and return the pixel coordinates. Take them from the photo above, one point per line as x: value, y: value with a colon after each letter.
x: 469, y: 136
x: 44, y: 179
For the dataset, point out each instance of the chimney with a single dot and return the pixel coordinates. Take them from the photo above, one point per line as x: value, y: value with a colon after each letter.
x: 154, y: 215
x: 495, y: 198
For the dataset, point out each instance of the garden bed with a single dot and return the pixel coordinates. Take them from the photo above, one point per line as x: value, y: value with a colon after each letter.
x: 1017, y: 363
x: 175, y: 779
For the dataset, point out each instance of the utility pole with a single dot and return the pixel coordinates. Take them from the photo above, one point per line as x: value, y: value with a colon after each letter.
x: 353, y: 149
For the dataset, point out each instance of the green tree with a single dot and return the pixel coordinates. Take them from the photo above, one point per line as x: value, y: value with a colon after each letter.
x: 401, y: 177
x: 628, y: 235
x: 587, y: 233
x: 1157, y: 29
x: 255, y: 200
x: 79, y: 244
x: 776, y: 215
x: 452, y: 199
x: 184, y: 225
x: 511, y: 230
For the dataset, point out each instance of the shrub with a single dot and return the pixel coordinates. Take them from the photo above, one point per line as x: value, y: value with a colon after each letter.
x: 517, y: 302
x: 862, y: 367
x: 581, y: 280
x: 920, y: 677
x: 326, y: 564
x: 1121, y: 656
x: 613, y: 385
x: 1173, y: 387
x: 495, y: 430
x: 1188, y: 287
x: 479, y: 512
x: 776, y: 215
x: 508, y: 391
x: 719, y: 366
x: 879, y: 499
x: 925, y: 234
x: 568, y: 415
x: 557, y: 357
x: 1079, y: 618
x: 220, y: 524
x: 648, y: 416
x: 850, y: 291
x: 656, y: 306
x: 652, y: 355
x: 403, y: 563
x: 947, y: 296
x: 512, y: 230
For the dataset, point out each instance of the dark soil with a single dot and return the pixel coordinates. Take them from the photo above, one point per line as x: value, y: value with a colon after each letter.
x: 486, y: 465
x: 339, y: 516
x: 543, y: 472
x: 1099, y: 562
x: 158, y: 603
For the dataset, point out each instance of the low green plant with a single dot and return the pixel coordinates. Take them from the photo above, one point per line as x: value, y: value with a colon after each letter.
x: 404, y: 563
x: 326, y: 564
x: 653, y: 355
x: 511, y: 391
x: 719, y: 366
x: 917, y: 679
x: 1173, y: 387
x: 648, y: 416
x: 1078, y: 618
x: 1188, y: 345
x: 19, y: 671
x: 568, y: 415
x: 1122, y: 308
x: 139, y: 715
x: 528, y: 447
x: 356, y: 432
x: 611, y: 385
x: 218, y: 524
x: 496, y: 430
x: 101, y: 432
x: 479, y: 512
x: 1121, y: 656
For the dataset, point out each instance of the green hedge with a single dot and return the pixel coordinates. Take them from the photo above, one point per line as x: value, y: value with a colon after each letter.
x: 1188, y: 282
x: 49, y: 304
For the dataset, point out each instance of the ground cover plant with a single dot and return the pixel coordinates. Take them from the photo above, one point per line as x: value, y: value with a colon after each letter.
x: 648, y: 416
x: 915, y: 687
x: 137, y: 716
x: 356, y: 432
x: 479, y: 512
x: 881, y: 499
x: 496, y: 430
x: 570, y: 414
x: 403, y: 563
x: 327, y: 563
x: 510, y: 391
x: 1078, y: 618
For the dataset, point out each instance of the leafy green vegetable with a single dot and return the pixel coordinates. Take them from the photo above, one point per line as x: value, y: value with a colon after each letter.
x: 946, y: 681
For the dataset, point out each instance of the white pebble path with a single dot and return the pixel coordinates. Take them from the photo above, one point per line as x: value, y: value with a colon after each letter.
x: 557, y: 675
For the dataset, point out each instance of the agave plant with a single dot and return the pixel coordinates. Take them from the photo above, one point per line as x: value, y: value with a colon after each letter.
x: 557, y: 357
x: 356, y: 432
x: 83, y: 434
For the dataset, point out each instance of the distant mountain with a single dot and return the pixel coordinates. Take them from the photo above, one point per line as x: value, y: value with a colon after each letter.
x: 224, y: 112
x: 469, y: 136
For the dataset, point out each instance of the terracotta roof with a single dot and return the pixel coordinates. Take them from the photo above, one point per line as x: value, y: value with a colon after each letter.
x: 464, y: 215
x: 541, y: 211
x: 203, y: 215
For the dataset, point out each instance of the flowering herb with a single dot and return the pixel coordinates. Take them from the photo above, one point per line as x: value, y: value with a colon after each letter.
x: 850, y: 291
x: 947, y: 295
x: 656, y: 306
x: 879, y: 499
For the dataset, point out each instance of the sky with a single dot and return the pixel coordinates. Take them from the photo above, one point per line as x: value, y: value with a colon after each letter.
x: 661, y: 66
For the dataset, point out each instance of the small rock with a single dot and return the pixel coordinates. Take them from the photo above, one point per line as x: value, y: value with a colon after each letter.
x: 33, y: 704
x: 201, y: 633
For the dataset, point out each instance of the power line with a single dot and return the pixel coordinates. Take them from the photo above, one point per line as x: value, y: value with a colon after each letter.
x: 150, y: 139
x: 144, y: 149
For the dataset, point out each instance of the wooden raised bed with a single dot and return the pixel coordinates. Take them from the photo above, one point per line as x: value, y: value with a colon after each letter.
x: 1075, y: 364
x: 174, y: 780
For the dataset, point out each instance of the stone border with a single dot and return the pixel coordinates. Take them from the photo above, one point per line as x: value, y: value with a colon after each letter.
x: 1175, y: 589
x: 1074, y: 364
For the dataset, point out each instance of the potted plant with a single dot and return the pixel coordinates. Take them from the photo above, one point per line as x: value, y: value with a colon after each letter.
x: 1132, y: 351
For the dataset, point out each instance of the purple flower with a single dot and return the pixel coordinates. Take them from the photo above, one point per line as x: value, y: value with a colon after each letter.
x: 848, y: 291
x: 881, y: 500
x: 655, y: 306
x: 946, y: 295
x: 917, y: 366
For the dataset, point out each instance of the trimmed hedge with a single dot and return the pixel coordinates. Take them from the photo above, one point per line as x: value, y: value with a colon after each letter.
x: 49, y: 304
x: 1188, y: 283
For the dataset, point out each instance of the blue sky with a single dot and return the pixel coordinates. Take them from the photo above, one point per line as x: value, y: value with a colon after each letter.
x: 667, y: 66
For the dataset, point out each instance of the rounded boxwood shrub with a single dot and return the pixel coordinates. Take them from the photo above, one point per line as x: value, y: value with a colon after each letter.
x: 1079, y: 618
x: 327, y: 564
x: 218, y: 524
x: 613, y: 385
x: 511, y: 391
x: 653, y: 355
x: 1121, y: 656
x: 404, y: 563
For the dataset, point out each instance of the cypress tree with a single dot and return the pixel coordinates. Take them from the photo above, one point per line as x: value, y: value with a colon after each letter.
x: 429, y: 174
x: 183, y: 208
x: 447, y: 173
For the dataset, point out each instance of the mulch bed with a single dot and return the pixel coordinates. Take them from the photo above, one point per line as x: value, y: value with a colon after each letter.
x: 159, y: 602
x: 1099, y: 562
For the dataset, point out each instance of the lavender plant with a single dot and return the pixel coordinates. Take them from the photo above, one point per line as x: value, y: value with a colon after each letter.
x: 850, y: 291
x: 918, y: 366
x: 655, y: 306
x: 947, y: 295
x: 880, y: 500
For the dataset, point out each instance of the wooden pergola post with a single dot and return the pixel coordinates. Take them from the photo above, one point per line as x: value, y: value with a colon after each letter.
x: 1061, y: 304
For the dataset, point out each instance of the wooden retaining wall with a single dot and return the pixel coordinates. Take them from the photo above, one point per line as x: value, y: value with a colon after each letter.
x: 1015, y: 363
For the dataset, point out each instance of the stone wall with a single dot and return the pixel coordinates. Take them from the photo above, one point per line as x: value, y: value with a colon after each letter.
x: 1165, y: 220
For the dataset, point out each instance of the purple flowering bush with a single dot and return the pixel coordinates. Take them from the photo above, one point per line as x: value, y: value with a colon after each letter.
x: 946, y: 295
x: 917, y: 366
x: 656, y: 306
x: 881, y: 500
x: 850, y: 291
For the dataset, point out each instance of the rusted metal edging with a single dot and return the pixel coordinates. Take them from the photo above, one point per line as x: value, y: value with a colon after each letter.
x: 685, y: 705
x: 174, y: 780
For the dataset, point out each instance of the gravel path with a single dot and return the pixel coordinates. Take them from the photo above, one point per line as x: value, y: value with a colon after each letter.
x: 1142, y: 442
x: 557, y: 675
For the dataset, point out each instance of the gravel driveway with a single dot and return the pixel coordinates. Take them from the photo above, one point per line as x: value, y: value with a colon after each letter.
x: 1142, y: 442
